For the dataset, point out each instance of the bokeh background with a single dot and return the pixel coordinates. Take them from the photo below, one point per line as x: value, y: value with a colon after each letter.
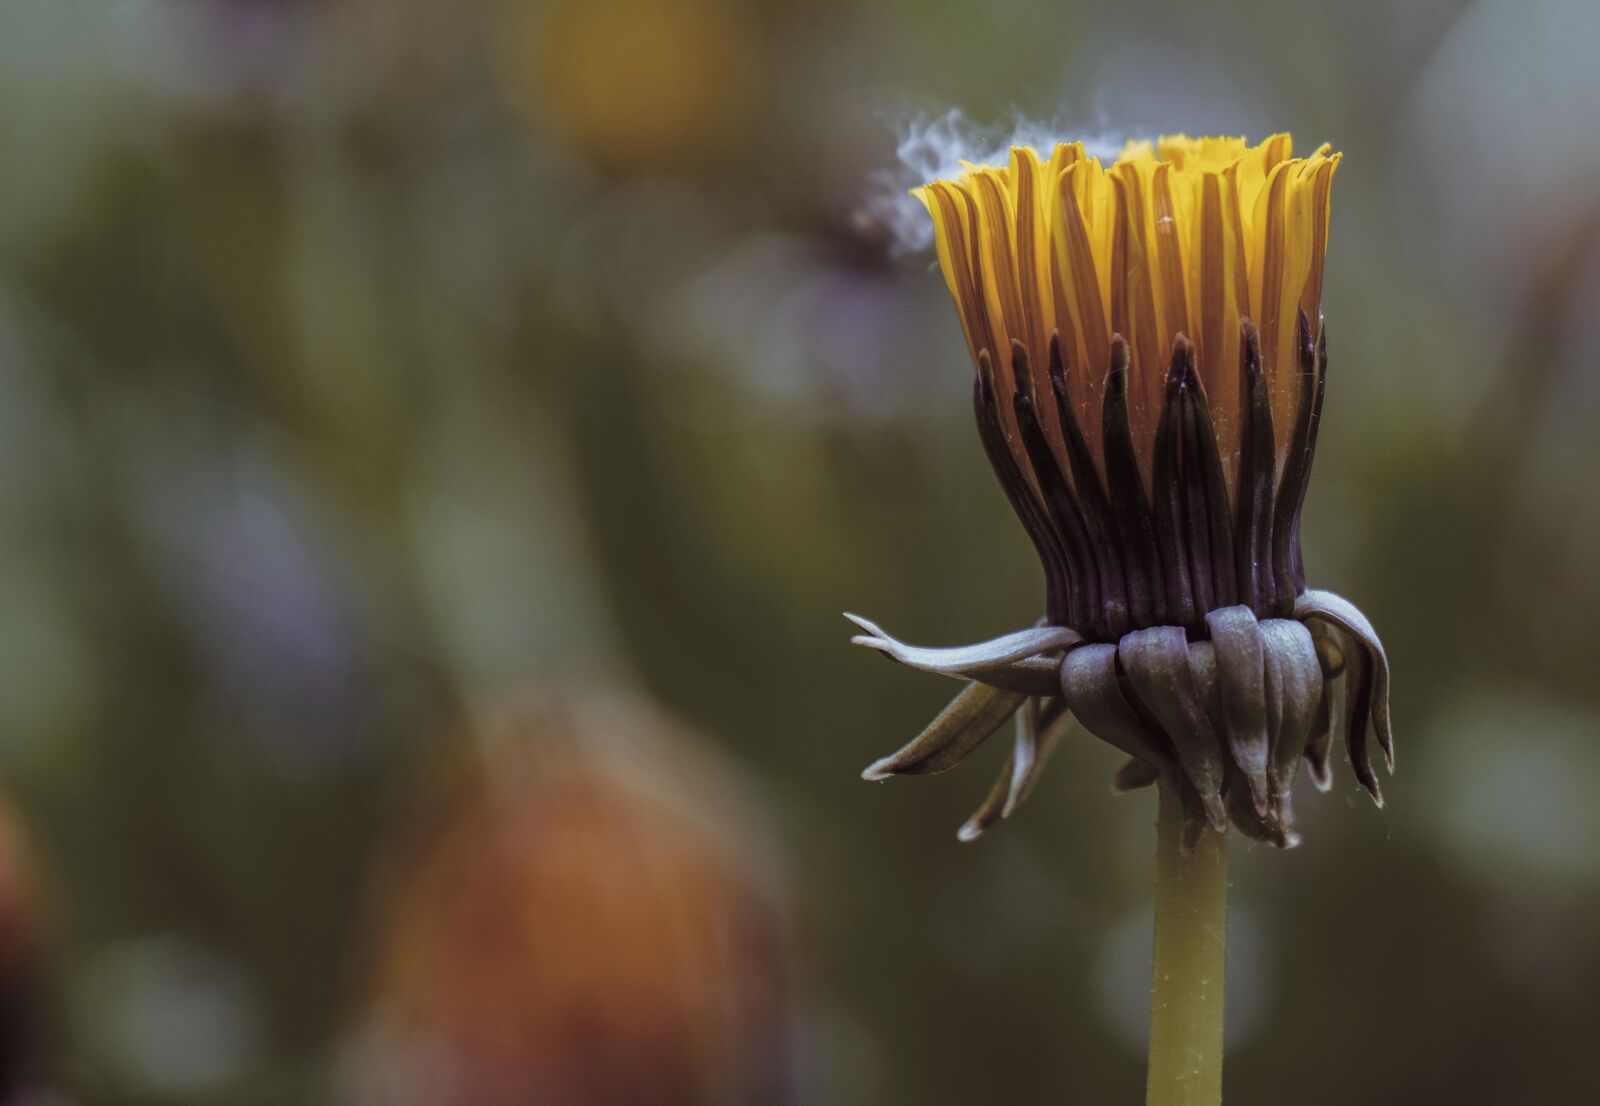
x: 437, y: 439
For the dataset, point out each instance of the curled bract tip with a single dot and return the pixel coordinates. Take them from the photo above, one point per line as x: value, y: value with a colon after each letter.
x: 1226, y: 719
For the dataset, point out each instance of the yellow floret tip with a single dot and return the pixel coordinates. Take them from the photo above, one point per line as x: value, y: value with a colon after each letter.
x: 1178, y: 236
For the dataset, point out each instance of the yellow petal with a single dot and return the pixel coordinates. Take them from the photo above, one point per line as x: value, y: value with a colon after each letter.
x: 1184, y: 235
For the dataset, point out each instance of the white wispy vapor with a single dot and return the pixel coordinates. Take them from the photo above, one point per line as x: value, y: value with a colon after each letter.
x: 934, y: 146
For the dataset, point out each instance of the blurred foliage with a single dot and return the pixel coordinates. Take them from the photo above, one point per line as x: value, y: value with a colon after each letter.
x: 365, y: 364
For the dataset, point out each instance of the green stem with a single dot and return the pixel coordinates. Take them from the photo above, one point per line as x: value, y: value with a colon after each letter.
x: 1191, y: 951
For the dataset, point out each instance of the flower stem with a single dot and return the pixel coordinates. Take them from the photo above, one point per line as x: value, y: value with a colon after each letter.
x: 1191, y: 939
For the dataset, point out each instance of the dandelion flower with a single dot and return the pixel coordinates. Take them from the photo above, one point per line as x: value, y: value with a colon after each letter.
x: 1151, y: 362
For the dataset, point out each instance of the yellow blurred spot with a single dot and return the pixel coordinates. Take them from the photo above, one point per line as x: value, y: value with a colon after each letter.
x: 637, y: 85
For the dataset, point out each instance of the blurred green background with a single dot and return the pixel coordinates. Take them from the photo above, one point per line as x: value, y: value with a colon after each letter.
x: 367, y: 365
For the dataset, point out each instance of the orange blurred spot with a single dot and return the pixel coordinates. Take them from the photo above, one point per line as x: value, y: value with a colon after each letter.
x: 638, y: 85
